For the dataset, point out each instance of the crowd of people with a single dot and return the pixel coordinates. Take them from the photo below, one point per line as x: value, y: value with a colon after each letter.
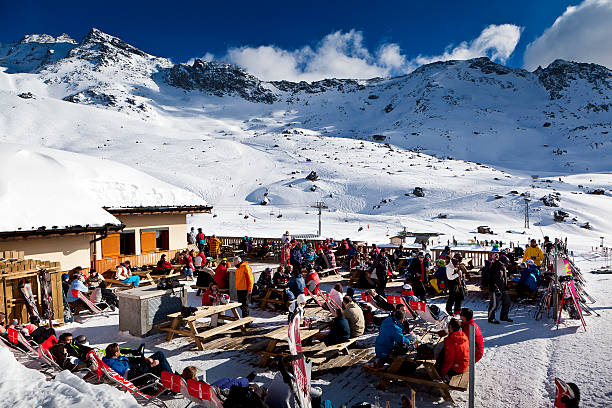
x: 296, y: 282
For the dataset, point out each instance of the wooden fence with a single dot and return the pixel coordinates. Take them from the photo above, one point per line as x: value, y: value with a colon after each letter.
x: 15, y: 271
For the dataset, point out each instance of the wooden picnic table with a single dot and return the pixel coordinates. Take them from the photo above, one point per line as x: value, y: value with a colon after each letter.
x: 432, y: 377
x: 281, y: 335
x: 270, y: 298
x: 206, y: 311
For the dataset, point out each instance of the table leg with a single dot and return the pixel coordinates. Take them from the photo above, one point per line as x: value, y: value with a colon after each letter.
x: 194, y: 334
x: 394, y: 368
x: 235, y: 313
x: 264, y: 300
x: 433, y: 374
x: 173, y: 326
x: 267, y: 354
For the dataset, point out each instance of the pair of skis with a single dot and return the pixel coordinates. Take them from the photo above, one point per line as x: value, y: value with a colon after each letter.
x: 28, y: 296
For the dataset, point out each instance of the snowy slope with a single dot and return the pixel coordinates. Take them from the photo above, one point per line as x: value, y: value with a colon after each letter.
x: 230, y: 138
x: 49, y: 188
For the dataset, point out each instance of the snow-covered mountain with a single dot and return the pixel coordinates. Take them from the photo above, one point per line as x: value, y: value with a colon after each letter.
x: 237, y: 141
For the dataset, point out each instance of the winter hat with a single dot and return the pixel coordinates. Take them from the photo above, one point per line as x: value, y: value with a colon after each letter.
x: 268, y: 271
x: 65, y: 276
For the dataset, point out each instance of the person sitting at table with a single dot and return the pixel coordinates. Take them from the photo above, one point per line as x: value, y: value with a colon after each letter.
x: 281, y: 276
x: 133, y: 367
x: 94, y: 279
x: 312, y: 280
x: 454, y: 357
x: 354, y: 316
x: 222, y: 275
x: 331, y: 258
x: 124, y: 274
x: 390, y: 336
x: 211, y: 295
x: 297, y: 284
x: 339, y: 331
x: 264, y: 282
x: 337, y: 293
x: 380, y: 301
x: 198, y: 259
x: 263, y: 250
x: 162, y: 263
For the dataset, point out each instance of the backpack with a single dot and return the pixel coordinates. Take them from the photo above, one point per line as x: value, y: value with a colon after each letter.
x: 245, y: 397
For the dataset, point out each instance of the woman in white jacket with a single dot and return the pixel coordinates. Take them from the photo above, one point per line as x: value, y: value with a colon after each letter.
x: 455, y: 288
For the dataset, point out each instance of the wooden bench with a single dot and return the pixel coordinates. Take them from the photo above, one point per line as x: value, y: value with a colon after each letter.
x: 329, y: 271
x: 281, y: 335
x: 327, y: 352
x: 242, y: 322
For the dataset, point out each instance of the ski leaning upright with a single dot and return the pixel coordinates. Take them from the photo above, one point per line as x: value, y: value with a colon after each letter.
x: 28, y: 297
x: 45, y: 283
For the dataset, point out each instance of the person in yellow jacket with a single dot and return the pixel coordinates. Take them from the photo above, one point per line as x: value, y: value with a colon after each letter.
x: 244, y: 284
x: 534, y: 253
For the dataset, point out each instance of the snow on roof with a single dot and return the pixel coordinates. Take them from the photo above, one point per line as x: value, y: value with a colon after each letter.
x: 49, y: 188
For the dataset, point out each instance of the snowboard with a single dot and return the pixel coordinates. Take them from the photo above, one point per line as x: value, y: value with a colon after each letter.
x: 45, y: 283
x: 28, y: 297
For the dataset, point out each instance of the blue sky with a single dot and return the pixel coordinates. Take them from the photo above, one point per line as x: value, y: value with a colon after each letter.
x: 182, y: 30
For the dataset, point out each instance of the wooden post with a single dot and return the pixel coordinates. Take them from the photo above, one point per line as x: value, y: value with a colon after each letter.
x: 472, y: 363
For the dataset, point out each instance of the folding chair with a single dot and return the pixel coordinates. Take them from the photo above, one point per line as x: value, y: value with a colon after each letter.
x: 422, y: 310
x: 203, y: 394
x: 92, y: 307
x: 104, y: 370
x: 399, y: 300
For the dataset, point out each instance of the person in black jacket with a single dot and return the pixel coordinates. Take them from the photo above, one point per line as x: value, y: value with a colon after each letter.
x: 339, y: 331
x: 498, y: 284
x: 417, y: 272
x: 381, y: 266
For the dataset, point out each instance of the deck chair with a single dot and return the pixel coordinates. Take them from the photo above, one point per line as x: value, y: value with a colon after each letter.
x: 202, y: 394
x: 316, y: 298
x: 399, y: 300
x: 90, y: 305
x: 45, y: 355
x: 423, y: 311
x: 104, y: 370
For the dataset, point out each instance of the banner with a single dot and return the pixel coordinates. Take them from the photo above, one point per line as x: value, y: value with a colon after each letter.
x: 301, y: 369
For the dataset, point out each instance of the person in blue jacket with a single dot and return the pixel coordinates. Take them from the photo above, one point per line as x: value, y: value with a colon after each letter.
x: 296, y: 257
x: 77, y: 284
x: 390, y: 334
x: 130, y: 368
x: 529, y: 278
x: 297, y: 284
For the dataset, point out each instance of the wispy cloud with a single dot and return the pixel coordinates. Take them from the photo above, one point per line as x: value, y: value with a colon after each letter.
x: 344, y: 55
x: 582, y: 33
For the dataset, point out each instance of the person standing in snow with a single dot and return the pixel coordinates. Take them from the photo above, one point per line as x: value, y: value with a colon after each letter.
x: 244, y: 284
x: 191, y: 236
x: 214, y: 246
x: 498, y: 284
x: 382, y: 267
x: 455, y: 287
x: 417, y: 271
x: 201, y: 240
x: 286, y: 238
x: 296, y: 257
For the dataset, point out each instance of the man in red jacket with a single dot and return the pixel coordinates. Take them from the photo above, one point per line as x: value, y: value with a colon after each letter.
x: 454, y: 358
x: 467, y: 320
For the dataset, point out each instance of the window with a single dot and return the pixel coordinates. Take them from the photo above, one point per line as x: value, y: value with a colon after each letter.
x: 154, y: 240
x: 163, y: 239
x: 111, y: 246
x: 128, y: 243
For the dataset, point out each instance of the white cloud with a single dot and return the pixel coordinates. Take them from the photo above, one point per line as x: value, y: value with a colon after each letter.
x: 207, y: 57
x: 496, y: 42
x: 582, y: 33
x: 344, y: 55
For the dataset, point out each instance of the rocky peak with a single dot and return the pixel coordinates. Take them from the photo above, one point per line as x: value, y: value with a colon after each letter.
x: 560, y: 74
x: 46, y: 39
x: 317, y: 86
x: 219, y: 79
x: 100, y: 47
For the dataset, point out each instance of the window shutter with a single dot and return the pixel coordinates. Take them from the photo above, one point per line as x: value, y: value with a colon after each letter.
x: 148, y: 242
x: 111, y: 246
